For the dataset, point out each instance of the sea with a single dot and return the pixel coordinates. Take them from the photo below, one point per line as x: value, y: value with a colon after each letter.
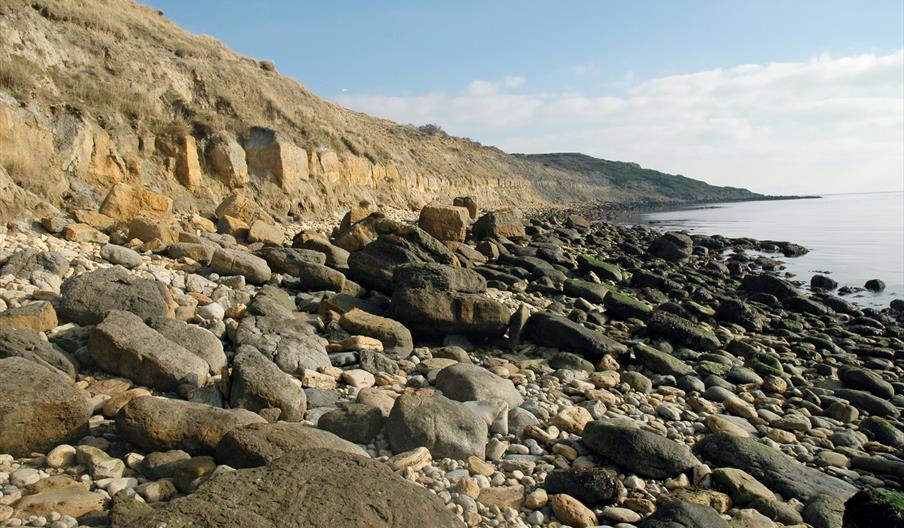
x: 850, y: 237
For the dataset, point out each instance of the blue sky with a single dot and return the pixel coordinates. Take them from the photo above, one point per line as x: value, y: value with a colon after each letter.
x: 589, y: 76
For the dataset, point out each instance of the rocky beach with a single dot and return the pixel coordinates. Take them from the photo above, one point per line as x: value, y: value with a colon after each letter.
x: 448, y: 367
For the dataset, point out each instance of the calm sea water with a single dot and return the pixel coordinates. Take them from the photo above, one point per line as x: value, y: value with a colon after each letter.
x: 856, y: 237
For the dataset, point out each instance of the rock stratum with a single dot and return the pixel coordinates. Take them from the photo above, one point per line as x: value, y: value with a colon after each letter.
x: 99, y: 93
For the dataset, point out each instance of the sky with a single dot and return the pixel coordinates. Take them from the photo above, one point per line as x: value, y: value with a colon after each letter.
x: 782, y: 97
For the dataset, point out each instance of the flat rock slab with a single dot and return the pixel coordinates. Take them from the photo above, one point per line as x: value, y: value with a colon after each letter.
x: 161, y: 424
x: 447, y: 428
x: 779, y: 472
x: 313, y: 487
x: 259, y: 444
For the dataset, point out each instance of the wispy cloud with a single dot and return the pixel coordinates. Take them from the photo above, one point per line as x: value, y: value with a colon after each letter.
x: 830, y: 124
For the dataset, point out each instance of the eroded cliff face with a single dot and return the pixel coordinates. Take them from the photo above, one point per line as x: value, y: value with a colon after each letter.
x: 103, y: 92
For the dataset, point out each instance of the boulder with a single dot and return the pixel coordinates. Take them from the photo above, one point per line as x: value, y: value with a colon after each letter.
x: 86, y: 299
x: 770, y: 284
x: 123, y: 256
x: 661, y: 362
x: 507, y: 223
x: 24, y: 263
x: 199, y: 341
x: 623, y: 306
x: 161, y: 424
x: 124, y: 202
x: 396, y: 338
x: 863, y: 379
x: 438, y: 299
x: 265, y: 233
x: 468, y: 382
x: 201, y: 253
x: 35, y: 317
x: 674, y: 247
x: 445, y: 427
x: 123, y: 345
x: 307, y: 266
x: 227, y: 159
x: 591, y: 485
x: 33, y: 347
x: 355, y: 422
x: 336, y: 257
x: 271, y: 154
x: 678, y: 329
x: 602, y: 269
x: 638, y: 450
x: 257, y: 383
x: 553, y: 330
x: 444, y: 222
x: 147, y: 228
x: 312, y: 487
x: 39, y: 408
x: 237, y: 262
x: 681, y: 514
x: 589, y: 291
x: 468, y: 203
x: 258, y: 444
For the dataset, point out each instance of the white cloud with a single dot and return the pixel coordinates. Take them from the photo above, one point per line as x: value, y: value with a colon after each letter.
x: 825, y: 125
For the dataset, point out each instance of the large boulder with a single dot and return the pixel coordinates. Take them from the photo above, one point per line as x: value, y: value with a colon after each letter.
x: 272, y: 155
x: 681, y: 514
x: 39, y: 408
x: 336, y: 257
x: 24, y: 263
x: 124, y: 202
x: 308, y: 488
x: 86, y: 299
x: 468, y: 382
x: 396, y: 338
x: 674, y: 247
x: 123, y: 345
x: 307, y: 265
x: 237, y: 262
x: 507, y: 223
x: 867, y: 380
x: 199, y: 341
x: 438, y: 299
x: 259, y: 444
x: 444, y: 222
x: 661, y: 362
x: 553, y: 330
x: 768, y: 284
x: 227, y: 159
x: 676, y: 328
x: 638, y: 450
x: 257, y: 383
x: 778, y: 471
x: 162, y: 424
x: 445, y: 427
x: 32, y: 346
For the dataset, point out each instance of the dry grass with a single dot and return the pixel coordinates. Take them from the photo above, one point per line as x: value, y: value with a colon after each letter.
x: 19, y: 76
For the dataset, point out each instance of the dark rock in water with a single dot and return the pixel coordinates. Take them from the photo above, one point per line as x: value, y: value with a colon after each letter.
x: 257, y: 384
x: 313, y: 487
x: 559, y: 332
x: 840, y: 305
x: 86, y: 299
x: 869, y: 403
x: 674, y: 247
x: 446, y: 427
x: 679, y: 329
x: 882, y: 431
x: 863, y: 379
x: 875, y: 285
x: 259, y: 444
x: 770, y: 284
x: 680, y: 514
x: 506, y: 223
x: 821, y: 282
x: 31, y: 346
x: 773, y: 468
x: 591, y: 485
x: 39, y: 408
x: 872, y: 509
x: 438, y: 299
x: 644, y: 452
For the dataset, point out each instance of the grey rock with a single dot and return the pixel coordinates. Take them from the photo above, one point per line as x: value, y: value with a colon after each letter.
x: 31, y: 346
x: 24, y: 263
x: 682, y: 331
x: 257, y: 383
x: 468, y: 382
x: 552, y: 330
x: 680, y: 514
x: 646, y: 453
x: 445, y: 427
x: 199, y: 341
x: 661, y: 362
x: 125, y: 257
x: 355, y: 422
x: 396, y: 338
x: 237, y: 262
x: 259, y: 444
x: 86, y: 299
